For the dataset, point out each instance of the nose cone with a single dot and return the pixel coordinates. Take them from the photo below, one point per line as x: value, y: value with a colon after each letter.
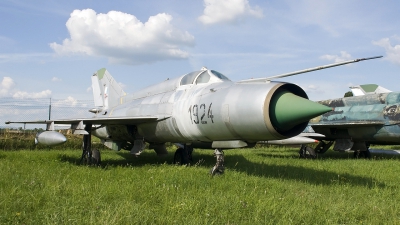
x: 288, y: 110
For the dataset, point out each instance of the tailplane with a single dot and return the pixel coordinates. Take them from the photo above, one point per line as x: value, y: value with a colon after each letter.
x: 106, y: 91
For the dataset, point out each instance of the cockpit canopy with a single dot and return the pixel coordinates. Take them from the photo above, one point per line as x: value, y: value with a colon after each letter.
x: 198, y: 77
x: 203, y: 76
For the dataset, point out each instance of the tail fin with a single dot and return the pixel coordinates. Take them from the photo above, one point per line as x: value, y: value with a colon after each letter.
x: 368, y: 89
x: 106, y: 91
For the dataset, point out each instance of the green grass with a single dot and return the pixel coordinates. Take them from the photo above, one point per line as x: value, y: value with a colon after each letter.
x: 260, y: 186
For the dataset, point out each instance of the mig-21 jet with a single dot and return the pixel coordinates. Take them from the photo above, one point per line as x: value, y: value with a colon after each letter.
x: 201, y: 109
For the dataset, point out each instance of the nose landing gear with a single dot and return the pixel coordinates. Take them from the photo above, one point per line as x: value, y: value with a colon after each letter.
x: 219, y: 167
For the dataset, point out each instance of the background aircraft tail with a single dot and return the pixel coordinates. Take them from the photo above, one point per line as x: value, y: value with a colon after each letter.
x: 365, y: 89
x: 106, y: 91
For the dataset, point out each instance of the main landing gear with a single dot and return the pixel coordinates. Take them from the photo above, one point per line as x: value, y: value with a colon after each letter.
x: 360, y: 154
x: 183, y: 155
x: 307, y: 152
x: 364, y: 152
x: 89, y: 156
x: 310, y: 153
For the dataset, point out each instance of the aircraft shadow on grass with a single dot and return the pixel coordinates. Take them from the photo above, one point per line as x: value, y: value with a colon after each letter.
x: 241, y: 164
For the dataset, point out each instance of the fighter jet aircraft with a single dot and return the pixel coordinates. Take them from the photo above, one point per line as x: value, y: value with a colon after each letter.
x: 371, y: 116
x: 199, y: 109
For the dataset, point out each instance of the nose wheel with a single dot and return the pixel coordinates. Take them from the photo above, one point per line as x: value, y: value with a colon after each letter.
x: 219, y: 167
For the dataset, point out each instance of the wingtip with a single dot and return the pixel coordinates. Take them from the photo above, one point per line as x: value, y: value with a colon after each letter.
x: 374, y: 57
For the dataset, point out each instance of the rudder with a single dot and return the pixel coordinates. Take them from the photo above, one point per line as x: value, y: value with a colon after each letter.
x: 106, y: 91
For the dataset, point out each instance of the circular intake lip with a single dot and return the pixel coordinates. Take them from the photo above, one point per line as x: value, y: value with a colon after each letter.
x: 287, y: 110
x: 270, y: 127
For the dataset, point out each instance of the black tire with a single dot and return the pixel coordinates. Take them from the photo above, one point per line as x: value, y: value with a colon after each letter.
x: 367, y: 154
x: 96, y: 157
x: 307, y: 153
x: 178, y: 157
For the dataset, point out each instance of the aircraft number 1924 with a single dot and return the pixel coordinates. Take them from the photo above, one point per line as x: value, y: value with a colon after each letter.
x: 198, y: 114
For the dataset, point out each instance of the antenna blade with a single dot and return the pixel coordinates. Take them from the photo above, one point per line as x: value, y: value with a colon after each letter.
x: 307, y: 70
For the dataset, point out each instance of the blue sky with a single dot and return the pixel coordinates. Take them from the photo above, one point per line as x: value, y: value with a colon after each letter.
x: 51, y: 48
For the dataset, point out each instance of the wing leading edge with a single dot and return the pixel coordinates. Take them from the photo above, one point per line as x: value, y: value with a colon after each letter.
x: 98, y: 121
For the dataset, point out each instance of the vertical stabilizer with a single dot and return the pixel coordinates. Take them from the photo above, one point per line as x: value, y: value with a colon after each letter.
x: 106, y: 91
x: 365, y: 89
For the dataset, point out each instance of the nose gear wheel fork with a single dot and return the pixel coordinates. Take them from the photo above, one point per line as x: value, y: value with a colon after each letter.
x: 219, y: 167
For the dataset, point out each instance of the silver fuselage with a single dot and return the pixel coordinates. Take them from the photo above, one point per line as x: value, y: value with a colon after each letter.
x: 218, y: 111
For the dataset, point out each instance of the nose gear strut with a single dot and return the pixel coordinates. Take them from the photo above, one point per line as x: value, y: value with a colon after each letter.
x: 219, y: 167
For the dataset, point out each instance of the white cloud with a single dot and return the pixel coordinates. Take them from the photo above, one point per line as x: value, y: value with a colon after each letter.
x: 7, y: 83
x: 392, y: 52
x: 8, y: 89
x: 122, y: 38
x: 338, y: 58
x: 69, y: 101
x: 228, y: 11
x: 5, y: 86
x: 23, y: 94
x: 56, y: 79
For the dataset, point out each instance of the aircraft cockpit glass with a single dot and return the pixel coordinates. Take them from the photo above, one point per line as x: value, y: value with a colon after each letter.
x: 189, y: 78
x: 219, y: 75
x: 203, y: 78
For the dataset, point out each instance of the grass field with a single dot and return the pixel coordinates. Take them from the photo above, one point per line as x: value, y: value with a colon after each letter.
x: 260, y: 186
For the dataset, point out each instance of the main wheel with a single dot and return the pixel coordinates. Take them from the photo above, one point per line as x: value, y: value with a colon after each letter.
x: 178, y: 156
x: 96, y: 157
x: 307, y: 153
x: 367, y: 154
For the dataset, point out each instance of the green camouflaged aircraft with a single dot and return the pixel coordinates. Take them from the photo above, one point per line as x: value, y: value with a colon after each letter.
x: 370, y: 116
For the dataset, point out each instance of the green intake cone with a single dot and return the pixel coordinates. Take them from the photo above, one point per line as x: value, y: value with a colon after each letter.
x: 288, y: 110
